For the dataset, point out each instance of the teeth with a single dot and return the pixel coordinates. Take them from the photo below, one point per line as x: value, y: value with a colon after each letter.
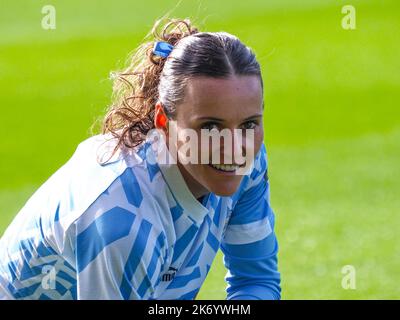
x: 225, y: 167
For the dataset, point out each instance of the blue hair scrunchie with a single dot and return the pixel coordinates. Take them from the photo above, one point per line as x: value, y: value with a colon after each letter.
x: 162, y: 49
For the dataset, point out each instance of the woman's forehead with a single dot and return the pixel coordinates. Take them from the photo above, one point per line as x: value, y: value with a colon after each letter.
x: 206, y: 93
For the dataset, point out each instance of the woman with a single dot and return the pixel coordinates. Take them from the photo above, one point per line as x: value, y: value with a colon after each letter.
x: 116, y: 222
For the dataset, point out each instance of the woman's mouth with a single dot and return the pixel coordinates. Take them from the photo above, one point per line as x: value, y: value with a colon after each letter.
x: 225, y: 168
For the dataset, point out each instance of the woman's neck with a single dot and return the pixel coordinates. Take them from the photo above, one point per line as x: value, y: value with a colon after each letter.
x: 195, y: 188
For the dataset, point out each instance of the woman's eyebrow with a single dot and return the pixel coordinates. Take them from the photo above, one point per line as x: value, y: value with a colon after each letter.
x: 222, y: 120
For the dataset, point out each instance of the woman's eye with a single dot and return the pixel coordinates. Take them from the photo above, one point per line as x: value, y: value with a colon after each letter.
x: 210, y: 126
x: 249, y: 125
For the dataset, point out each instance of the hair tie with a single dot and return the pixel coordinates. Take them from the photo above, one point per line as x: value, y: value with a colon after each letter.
x: 162, y: 49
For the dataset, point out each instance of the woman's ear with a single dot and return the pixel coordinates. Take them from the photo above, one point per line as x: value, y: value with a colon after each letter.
x: 160, y: 118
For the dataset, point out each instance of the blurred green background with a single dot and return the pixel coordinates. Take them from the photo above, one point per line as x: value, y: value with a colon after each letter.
x: 332, y: 120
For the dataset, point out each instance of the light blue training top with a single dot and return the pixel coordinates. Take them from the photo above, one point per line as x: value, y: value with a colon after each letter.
x: 131, y: 229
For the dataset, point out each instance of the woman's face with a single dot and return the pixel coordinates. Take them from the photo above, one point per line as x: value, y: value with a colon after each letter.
x: 232, y: 103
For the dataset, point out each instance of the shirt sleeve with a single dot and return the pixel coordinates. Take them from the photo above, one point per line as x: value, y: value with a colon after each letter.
x: 249, y: 244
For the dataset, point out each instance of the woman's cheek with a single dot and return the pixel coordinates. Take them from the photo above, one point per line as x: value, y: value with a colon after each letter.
x: 258, y: 137
x: 252, y: 142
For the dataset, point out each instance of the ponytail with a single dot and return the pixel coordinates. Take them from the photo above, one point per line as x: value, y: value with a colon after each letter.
x: 135, y: 89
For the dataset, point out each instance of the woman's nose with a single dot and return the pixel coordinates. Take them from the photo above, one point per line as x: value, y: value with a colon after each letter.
x: 233, y: 151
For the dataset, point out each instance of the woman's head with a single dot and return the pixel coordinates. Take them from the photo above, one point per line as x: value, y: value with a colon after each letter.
x: 209, y: 80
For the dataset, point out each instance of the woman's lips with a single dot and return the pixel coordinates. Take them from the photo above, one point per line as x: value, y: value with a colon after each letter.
x: 229, y: 171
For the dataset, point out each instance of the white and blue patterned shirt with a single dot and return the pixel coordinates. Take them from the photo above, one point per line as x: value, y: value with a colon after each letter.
x: 131, y: 229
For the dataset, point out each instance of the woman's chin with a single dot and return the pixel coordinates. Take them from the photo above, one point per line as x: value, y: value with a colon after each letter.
x: 225, y: 188
x: 222, y: 184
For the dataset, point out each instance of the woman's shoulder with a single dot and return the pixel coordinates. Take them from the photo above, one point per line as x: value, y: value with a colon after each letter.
x: 83, y: 179
x: 103, y: 150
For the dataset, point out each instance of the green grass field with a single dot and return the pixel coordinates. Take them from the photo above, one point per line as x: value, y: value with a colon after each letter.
x: 332, y: 120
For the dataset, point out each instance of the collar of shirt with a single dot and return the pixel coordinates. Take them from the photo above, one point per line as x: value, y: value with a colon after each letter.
x: 175, y: 181
x: 183, y: 195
